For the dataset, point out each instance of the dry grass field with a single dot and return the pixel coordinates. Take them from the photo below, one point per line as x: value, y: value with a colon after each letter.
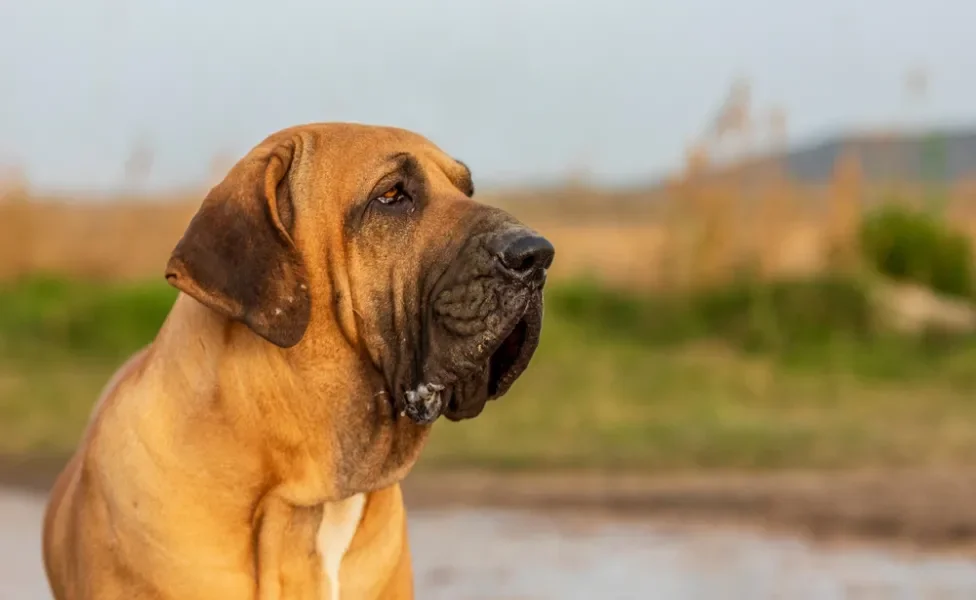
x: 695, y: 229
x: 651, y: 384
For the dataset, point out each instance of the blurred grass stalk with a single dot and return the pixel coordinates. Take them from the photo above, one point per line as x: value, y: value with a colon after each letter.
x: 705, y: 227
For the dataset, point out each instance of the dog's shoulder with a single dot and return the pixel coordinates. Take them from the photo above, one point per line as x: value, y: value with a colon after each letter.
x: 135, y: 363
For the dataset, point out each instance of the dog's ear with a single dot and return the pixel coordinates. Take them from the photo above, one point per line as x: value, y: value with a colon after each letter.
x: 237, y: 255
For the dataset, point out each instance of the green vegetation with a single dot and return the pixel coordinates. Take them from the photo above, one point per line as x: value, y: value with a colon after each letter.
x: 60, y: 341
x: 44, y: 318
x: 917, y: 246
x: 791, y: 374
x: 755, y: 376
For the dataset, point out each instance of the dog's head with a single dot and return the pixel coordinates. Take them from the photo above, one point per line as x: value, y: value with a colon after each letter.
x: 370, y: 235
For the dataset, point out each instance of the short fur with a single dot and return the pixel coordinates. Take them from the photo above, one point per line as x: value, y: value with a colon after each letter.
x: 273, y: 392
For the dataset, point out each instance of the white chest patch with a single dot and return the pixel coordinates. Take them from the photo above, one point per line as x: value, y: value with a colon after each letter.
x: 339, y: 523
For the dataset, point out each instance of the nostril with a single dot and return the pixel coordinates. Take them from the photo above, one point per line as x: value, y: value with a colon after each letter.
x: 527, y: 254
x: 527, y: 263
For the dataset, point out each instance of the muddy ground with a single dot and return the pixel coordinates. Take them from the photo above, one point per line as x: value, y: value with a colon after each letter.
x: 479, y: 553
x: 932, y: 510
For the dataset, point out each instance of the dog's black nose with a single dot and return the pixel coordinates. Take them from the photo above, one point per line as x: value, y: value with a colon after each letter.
x: 526, y: 254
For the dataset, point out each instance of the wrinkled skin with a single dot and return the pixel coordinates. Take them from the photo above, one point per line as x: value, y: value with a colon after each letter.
x: 434, y: 304
x: 458, y: 309
x: 444, y: 307
x: 485, y: 324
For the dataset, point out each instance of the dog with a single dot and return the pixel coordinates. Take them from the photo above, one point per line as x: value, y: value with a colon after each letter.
x: 339, y: 291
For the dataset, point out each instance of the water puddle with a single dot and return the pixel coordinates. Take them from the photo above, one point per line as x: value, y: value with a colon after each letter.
x: 474, y: 554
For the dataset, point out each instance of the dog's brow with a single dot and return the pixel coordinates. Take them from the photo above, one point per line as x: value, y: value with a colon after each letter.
x: 407, y: 163
x: 464, y: 182
x: 403, y: 162
x: 399, y: 157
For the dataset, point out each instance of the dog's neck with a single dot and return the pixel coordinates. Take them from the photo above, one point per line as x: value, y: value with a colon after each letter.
x: 295, y: 413
x: 241, y: 382
x: 287, y: 466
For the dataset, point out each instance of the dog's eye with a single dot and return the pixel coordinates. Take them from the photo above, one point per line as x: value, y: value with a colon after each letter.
x: 394, y: 195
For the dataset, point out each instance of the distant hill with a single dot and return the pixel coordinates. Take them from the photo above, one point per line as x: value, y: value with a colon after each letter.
x: 935, y: 156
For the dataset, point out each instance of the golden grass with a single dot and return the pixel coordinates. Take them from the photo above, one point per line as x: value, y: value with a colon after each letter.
x: 699, y: 228
x: 702, y: 226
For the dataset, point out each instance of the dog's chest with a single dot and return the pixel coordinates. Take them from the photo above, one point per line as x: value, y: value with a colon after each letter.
x: 339, y: 523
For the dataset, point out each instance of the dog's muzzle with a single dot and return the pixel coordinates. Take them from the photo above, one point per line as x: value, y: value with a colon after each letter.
x: 484, y: 323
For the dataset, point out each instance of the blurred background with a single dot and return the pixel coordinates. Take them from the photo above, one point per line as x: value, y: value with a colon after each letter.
x: 758, y: 365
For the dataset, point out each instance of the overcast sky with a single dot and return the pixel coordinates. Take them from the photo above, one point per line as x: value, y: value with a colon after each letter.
x: 521, y: 90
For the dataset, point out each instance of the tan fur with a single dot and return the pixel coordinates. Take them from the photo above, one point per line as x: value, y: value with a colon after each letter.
x: 212, y: 455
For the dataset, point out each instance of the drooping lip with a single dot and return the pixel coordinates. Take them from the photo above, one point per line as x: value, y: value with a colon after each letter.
x: 468, y: 391
x: 510, y: 359
x: 465, y: 397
